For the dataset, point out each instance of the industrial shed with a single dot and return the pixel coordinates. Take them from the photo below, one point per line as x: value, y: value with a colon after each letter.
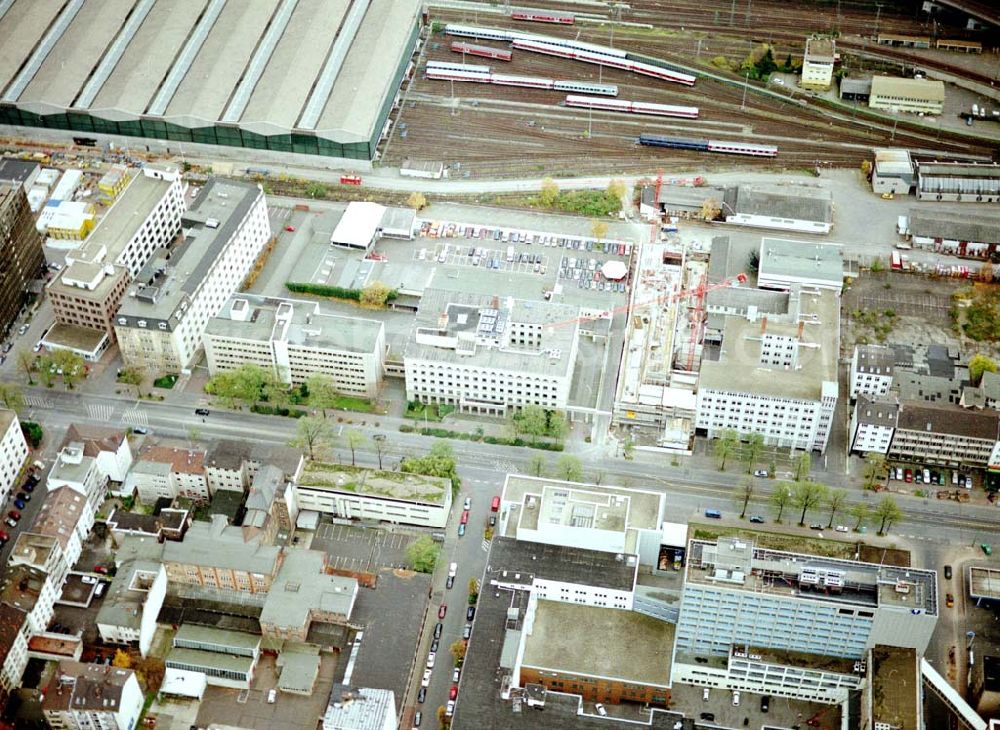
x: 955, y: 234
x: 315, y: 77
x: 964, y: 182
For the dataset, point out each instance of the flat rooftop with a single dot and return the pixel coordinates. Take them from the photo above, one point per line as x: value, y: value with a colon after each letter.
x: 784, y: 258
x: 796, y: 202
x: 217, y: 544
x: 520, y: 562
x: 739, y: 368
x: 573, y: 639
x: 193, y: 633
x: 971, y: 227
x: 391, y: 485
x: 736, y: 564
x: 897, y: 691
x: 800, y: 659
x: 195, y: 658
x: 297, y: 322
x: 302, y: 586
x: 984, y: 582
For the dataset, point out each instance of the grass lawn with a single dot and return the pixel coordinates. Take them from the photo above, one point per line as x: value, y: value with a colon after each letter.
x: 431, y: 412
x: 347, y: 403
x: 165, y: 381
x: 777, y: 541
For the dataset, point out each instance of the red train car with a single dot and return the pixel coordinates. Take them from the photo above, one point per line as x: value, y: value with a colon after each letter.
x: 350, y: 179
x: 558, y: 18
x: 499, y: 54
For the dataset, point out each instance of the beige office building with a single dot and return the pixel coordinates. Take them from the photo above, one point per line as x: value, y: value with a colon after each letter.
x: 919, y: 96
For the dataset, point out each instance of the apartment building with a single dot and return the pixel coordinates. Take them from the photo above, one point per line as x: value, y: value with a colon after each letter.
x: 919, y: 96
x: 163, y: 471
x: 817, y: 63
x: 13, y: 452
x: 873, y: 423
x: 872, y: 367
x: 770, y: 621
x: 134, y: 599
x: 62, y: 514
x: 776, y: 376
x: 233, y: 465
x: 80, y: 473
x: 946, y: 435
x: 490, y: 354
x: 27, y: 597
x: 85, y: 296
x: 294, y: 340
x: 90, y: 696
x: 163, y: 316
x: 21, y: 258
x: 109, y: 446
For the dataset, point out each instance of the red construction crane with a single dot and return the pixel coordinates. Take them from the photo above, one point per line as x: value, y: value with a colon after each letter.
x: 696, y: 316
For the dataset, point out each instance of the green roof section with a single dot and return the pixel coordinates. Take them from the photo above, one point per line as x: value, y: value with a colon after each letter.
x: 374, y: 483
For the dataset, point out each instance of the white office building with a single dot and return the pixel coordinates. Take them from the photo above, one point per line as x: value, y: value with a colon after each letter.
x: 13, y: 452
x: 166, y: 309
x: 784, y: 264
x: 817, y: 64
x: 135, y: 597
x: 777, y: 622
x: 295, y: 340
x: 490, y: 354
x: 873, y: 423
x: 871, y: 370
x: 776, y: 376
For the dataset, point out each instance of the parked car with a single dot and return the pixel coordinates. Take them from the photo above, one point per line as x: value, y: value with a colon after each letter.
x: 425, y: 682
x: 4, y: 537
x: 449, y: 582
x: 20, y: 503
x: 430, y: 660
x: 449, y: 710
x: 760, y: 472
x: 468, y: 503
x: 14, y: 514
x: 704, y: 694
x: 438, y: 628
x: 815, y: 526
x: 736, y: 698
x: 947, y: 572
x: 417, y: 719
x: 10, y: 522
x: 461, y: 530
x: 908, y: 475
x: 201, y: 411
x: 24, y: 497
x: 600, y: 710
x: 707, y: 717
x: 841, y: 528
x: 765, y: 703
x: 140, y: 430
x: 435, y: 645
x: 467, y: 632
x: 442, y: 610
x: 422, y: 694
x: 290, y: 229
x: 453, y: 692
x: 455, y: 674
x: 465, y: 517
x: 272, y: 696
x: 949, y: 600
x: 757, y: 519
x: 470, y: 613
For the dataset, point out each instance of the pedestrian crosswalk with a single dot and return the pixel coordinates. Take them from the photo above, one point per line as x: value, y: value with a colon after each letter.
x: 485, y: 546
x: 37, y: 401
x: 135, y: 417
x: 100, y: 411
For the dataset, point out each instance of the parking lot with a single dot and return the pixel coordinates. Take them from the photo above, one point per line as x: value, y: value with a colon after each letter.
x: 360, y: 549
x: 781, y: 713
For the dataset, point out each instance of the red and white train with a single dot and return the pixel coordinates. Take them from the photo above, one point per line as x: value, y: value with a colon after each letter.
x: 558, y: 18
x: 601, y: 59
x: 497, y: 54
x: 632, y: 107
x: 455, y: 72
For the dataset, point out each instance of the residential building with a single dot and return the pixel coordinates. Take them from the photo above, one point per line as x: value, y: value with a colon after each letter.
x: 60, y: 518
x: 14, y: 636
x: 21, y: 257
x: 777, y: 376
x: 232, y: 465
x: 226, y: 658
x: 587, y: 516
x: 167, y: 307
x: 817, y: 64
x: 39, y: 551
x: 358, y: 493
x: 873, y: 423
x: 893, y: 171
x: 13, y: 452
x: 271, y: 507
x: 168, y: 524
x: 872, y: 367
x: 163, y: 471
x: 294, y: 340
x: 74, y: 470
x: 88, y: 696
x: 490, y: 355
x: 784, y: 264
x: 946, y: 435
x: 770, y: 621
x: 134, y: 599
x: 923, y: 96
x: 966, y: 182
x: 360, y: 708
x: 86, y: 295
x: 109, y: 446
x: 27, y: 597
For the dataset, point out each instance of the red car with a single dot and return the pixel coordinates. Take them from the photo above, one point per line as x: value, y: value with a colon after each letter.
x: 4, y: 537
x: 290, y: 229
x: 100, y: 569
x: 908, y: 475
x: 453, y: 692
x: 465, y: 517
x: 442, y: 610
x: 14, y: 514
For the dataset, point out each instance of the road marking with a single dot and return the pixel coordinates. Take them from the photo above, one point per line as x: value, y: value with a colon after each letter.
x: 38, y: 401
x: 100, y: 411
x: 134, y: 417
x: 486, y: 546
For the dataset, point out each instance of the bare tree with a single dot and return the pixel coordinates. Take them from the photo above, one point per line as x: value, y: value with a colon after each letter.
x: 745, y: 494
x: 312, y: 434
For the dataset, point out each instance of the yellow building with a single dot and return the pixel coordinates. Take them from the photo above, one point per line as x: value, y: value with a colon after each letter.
x: 114, y: 181
x: 73, y: 220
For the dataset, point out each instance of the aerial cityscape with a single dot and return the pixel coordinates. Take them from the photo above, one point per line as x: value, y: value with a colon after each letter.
x: 471, y: 365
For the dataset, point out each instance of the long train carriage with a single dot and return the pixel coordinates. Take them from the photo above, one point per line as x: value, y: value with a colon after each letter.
x: 508, y: 36
x: 497, y: 54
x: 470, y: 67
x: 742, y: 148
x: 633, y: 107
x: 625, y: 64
x: 446, y: 74
x: 708, y: 145
x: 586, y: 87
x: 559, y: 18
x: 679, y: 143
x: 533, y: 82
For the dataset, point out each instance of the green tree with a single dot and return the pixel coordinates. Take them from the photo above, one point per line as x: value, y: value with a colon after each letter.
x: 33, y: 433
x: 422, y: 554
x: 11, y: 397
x: 569, y: 468
x: 532, y: 421
x: 628, y: 448
x: 354, y: 439
x: 875, y: 466
x: 375, y: 295
x: 378, y: 441
x: 806, y: 495
x: 888, y: 512
x: 536, y: 465
x: 745, y: 495
x: 322, y: 392
x: 978, y: 365
x: 803, y: 463
x: 473, y: 591
x: 835, y: 502
x: 556, y: 426
x: 781, y: 497
x: 316, y: 190
x: 27, y: 361
x: 754, y: 447
x: 72, y: 365
x: 439, y: 462
x: 725, y: 445
x: 313, y: 434
x: 130, y: 376
x: 46, y: 371
x: 549, y: 193
x: 861, y: 512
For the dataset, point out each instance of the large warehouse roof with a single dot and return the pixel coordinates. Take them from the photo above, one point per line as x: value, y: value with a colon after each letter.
x: 267, y: 66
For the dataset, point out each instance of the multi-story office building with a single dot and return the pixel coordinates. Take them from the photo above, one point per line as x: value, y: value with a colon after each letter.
x: 817, y: 64
x: 776, y: 376
x: 873, y: 423
x: 166, y: 309
x: 21, y: 256
x: 489, y: 354
x: 13, y: 451
x: 946, y: 435
x: 92, y: 696
x: 872, y: 367
x: 750, y: 617
x: 86, y: 295
x: 295, y: 340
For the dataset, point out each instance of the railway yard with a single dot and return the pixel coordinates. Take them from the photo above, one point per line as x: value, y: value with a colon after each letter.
x: 494, y: 130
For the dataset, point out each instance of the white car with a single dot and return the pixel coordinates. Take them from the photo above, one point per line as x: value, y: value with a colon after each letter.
x: 88, y: 579
x: 456, y: 672
x: 426, y: 681
x: 37, y: 347
x: 468, y: 503
x: 450, y: 709
x: 704, y: 694
x: 600, y: 710
x: 736, y: 698
x: 760, y: 473
x: 842, y: 528
x: 272, y: 695
x: 430, y: 660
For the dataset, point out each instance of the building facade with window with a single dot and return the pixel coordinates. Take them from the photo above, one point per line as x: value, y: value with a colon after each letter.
x: 13, y: 451
x: 166, y: 308
x: 919, y: 96
x: 817, y: 64
x: 21, y: 256
x: 92, y: 697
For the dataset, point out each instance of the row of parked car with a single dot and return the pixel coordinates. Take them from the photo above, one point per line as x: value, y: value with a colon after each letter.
x: 451, y: 230
x: 928, y: 476
x: 21, y: 500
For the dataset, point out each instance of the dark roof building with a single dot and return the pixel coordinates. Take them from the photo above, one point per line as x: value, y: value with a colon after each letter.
x: 969, y: 182
x: 947, y: 435
x: 21, y: 256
